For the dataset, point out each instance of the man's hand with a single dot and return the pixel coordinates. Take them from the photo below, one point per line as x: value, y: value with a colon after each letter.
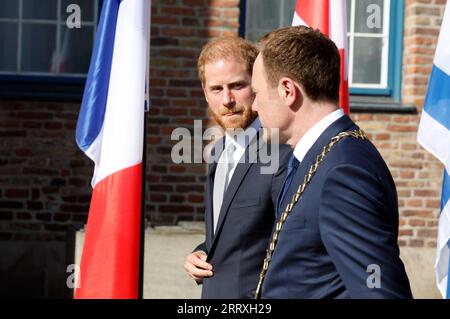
x: 197, y: 267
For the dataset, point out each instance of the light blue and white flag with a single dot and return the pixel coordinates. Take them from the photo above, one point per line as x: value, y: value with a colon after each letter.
x: 434, y: 136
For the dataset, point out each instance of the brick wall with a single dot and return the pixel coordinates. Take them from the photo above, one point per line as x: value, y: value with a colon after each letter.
x: 423, y: 19
x: 44, y: 178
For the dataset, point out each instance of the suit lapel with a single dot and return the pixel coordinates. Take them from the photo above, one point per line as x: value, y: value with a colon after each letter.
x: 238, y: 176
x: 342, y: 124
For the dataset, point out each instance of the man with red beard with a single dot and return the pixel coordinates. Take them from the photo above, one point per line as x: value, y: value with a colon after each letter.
x: 240, y: 200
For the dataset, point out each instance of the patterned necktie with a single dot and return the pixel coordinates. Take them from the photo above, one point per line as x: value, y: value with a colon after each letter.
x: 222, y: 179
x: 291, y: 169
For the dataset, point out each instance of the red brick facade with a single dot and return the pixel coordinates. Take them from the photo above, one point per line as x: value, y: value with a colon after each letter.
x: 44, y: 178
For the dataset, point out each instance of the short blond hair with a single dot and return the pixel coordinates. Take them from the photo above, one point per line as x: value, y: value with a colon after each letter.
x: 227, y: 48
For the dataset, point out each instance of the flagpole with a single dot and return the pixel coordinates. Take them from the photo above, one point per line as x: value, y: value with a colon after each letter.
x: 144, y: 164
x: 142, y: 232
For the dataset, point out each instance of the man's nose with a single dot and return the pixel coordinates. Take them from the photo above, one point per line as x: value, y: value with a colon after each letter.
x: 228, y: 98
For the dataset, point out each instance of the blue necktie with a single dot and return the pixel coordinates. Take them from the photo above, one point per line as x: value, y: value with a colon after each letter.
x: 291, y: 169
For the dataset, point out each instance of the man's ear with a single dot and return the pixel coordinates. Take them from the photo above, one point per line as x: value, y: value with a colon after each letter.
x: 289, y: 92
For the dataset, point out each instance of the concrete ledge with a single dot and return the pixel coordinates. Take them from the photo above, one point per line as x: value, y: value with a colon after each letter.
x: 165, y: 251
x: 419, y: 264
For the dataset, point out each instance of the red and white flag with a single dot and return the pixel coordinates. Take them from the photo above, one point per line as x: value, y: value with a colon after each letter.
x: 330, y: 17
x: 110, y: 130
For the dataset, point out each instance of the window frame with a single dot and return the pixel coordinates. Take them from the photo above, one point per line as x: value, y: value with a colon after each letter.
x: 49, y: 87
x: 394, y: 56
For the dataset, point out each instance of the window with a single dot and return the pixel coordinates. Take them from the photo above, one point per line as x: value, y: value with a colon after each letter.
x: 263, y: 16
x: 38, y: 47
x: 374, y: 39
x: 374, y: 46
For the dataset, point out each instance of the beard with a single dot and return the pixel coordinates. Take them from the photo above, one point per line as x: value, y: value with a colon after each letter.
x: 242, y: 119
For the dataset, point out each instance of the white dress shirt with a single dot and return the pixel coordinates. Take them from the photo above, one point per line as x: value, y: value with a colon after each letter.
x: 311, y: 136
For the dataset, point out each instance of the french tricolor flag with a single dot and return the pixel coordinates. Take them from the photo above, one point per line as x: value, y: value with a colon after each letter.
x: 110, y: 131
x: 434, y: 136
x: 330, y: 17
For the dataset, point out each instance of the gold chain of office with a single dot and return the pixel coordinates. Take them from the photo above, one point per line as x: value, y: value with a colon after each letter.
x: 312, y: 170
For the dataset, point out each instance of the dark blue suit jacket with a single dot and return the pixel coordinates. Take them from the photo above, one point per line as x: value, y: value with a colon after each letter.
x: 246, y: 219
x: 345, y: 221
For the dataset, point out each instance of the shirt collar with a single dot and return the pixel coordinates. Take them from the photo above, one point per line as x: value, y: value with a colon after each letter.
x: 243, y: 137
x: 311, y: 136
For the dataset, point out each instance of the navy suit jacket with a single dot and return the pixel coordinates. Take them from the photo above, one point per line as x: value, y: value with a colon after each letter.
x: 343, y: 227
x: 246, y: 219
